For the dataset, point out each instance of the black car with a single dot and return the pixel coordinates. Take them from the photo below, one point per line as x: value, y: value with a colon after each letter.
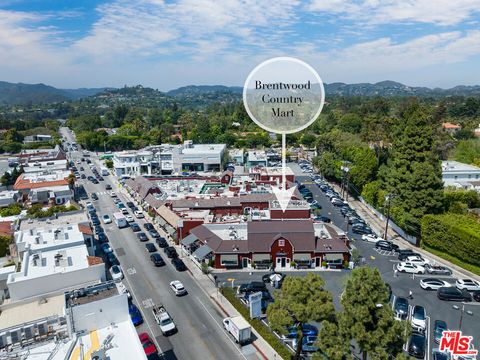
x: 254, y: 286
x: 83, y: 176
x: 416, y: 345
x: 154, y: 234
x: 142, y: 236
x: 179, y: 264
x: 130, y: 204
x: 404, y: 256
x: 400, y: 308
x: 162, y: 242
x: 170, y: 251
x: 112, y: 259
x: 437, y: 355
x: 476, y: 295
x: 94, y: 196
x: 361, y: 229
x: 150, y: 247
x: 102, y: 237
x: 385, y: 245
x: 453, y: 294
x: 135, y: 227
x: 108, y: 187
x: 157, y: 259
x: 95, y: 181
x: 148, y: 226
x: 438, y: 328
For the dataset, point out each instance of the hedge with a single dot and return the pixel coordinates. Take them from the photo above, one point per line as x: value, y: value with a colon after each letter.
x: 263, y: 330
x: 456, y: 235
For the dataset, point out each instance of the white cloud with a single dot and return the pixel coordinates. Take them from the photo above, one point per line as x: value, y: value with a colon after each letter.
x: 440, y: 12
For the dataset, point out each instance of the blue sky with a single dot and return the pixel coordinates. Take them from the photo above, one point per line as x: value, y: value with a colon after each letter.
x: 170, y: 43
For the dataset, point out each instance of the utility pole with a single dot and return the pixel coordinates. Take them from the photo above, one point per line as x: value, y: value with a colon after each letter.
x: 388, y: 203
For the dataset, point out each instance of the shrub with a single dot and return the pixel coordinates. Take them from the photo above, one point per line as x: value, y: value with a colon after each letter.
x: 4, y: 242
x: 453, y: 234
x: 12, y: 209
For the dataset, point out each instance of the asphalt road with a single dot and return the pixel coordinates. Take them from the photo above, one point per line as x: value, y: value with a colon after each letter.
x: 401, y: 285
x: 200, y: 332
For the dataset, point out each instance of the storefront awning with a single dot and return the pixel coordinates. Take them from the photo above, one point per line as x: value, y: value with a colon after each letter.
x: 189, y: 240
x: 202, y: 252
x: 161, y: 221
x: 260, y: 257
x: 302, y: 257
x: 333, y: 257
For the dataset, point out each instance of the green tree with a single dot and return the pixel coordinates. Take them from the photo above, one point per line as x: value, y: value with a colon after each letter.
x: 414, y: 172
x: 333, y: 343
x: 299, y: 301
x: 368, y: 318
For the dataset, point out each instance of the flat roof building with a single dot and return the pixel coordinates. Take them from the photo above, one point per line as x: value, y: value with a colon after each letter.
x: 455, y: 173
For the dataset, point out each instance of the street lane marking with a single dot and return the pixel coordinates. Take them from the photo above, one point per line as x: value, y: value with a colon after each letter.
x: 131, y: 271
x: 148, y: 303
x: 221, y: 328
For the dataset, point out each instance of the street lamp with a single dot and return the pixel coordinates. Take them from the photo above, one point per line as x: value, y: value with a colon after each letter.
x: 345, y: 169
x: 462, y: 311
x: 388, y: 203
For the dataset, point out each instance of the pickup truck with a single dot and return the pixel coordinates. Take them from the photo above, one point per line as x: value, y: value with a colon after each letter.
x: 164, y: 320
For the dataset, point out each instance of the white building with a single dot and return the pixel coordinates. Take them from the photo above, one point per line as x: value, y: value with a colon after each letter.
x: 8, y: 197
x: 50, y: 271
x: 458, y: 174
x: 256, y: 158
x: 169, y: 159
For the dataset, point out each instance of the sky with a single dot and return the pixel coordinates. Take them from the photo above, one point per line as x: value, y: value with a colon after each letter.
x: 165, y: 44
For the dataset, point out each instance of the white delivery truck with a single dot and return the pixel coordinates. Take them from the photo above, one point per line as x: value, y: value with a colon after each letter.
x: 239, y: 328
x: 120, y: 220
x: 104, y: 171
x: 164, y: 320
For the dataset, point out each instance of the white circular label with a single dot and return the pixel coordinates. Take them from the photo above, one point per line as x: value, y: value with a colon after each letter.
x: 283, y: 95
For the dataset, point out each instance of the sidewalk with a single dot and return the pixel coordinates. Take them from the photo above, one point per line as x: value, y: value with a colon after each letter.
x: 378, y: 226
x: 207, y: 284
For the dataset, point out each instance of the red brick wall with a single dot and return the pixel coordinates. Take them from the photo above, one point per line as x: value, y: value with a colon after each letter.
x: 188, y: 224
x: 290, y: 214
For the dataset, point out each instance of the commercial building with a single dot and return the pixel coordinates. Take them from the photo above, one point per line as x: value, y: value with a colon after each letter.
x: 49, y: 187
x: 8, y: 197
x: 458, y: 174
x: 168, y: 159
x: 37, y: 138
x: 269, y: 244
x: 85, y: 323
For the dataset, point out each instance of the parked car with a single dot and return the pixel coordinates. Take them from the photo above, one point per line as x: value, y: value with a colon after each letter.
x: 148, y: 226
x: 94, y: 196
x: 113, y: 194
x: 178, y: 288
x: 439, y: 326
x: 129, y: 218
x: 138, y: 214
x: 438, y: 355
x: 417, y: 260
x: 416, y: 345
x: 361, y: 229
x: 323, y: 218
x: 307, y: 329
x: 406, y: 267
x: 437, y: 270
x: 419, y: 318
x: 400, y: 308
x: 467, y: 284
x: 147, y: 344
x: 150, y: 247
x: 179, y: 264
x: 476, y: 295
x: 433, y: 284
x: 116, y: 273
x: 385, y: 245
x: 135, y: 314
x: 371, y: 238
x: 135, y: 227
x: 253, y: 286
x: 130, y: 204
x: 102, y: 237
x: 162, y: 242
x: 157, y: 259
x: 170, y: 251
x: 404, y: 256
x: 154, y: 234
x: 106, y: 248
x: 453, y: 294
x: 112, y: 259
x: 106, y: 219
x: 142, y: 236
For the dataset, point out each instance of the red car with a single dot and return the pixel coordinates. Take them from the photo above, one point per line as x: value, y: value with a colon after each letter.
x: 147, y: 343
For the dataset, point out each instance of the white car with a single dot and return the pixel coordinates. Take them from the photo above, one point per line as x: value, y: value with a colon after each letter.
x: 417, y: 260
x: 113, y: 194
x: 116, y: 273
x: 407, y: 267
x: 371, y: 238
x: 178, y: 288
x: 106, y: 219
x: 433, y: 284
x: 419, y: 317
x: 138, y: 214
x: 129, y: 218
x: 467, y: 284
